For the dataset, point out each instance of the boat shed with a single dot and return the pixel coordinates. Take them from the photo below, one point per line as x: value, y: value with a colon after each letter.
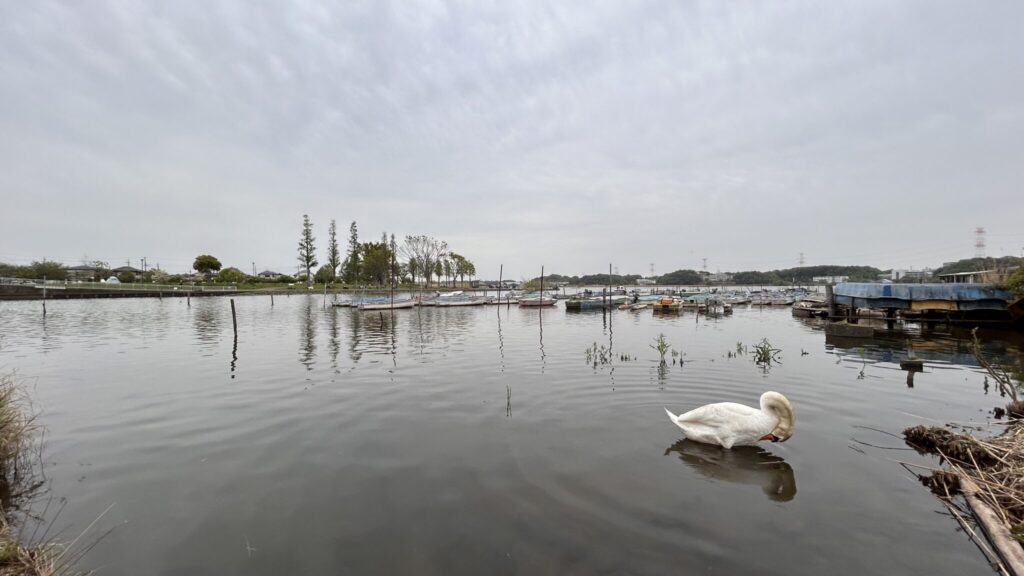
x: 922, y: 296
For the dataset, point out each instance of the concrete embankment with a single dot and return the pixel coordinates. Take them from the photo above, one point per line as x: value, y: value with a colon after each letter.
x: 29, y: 292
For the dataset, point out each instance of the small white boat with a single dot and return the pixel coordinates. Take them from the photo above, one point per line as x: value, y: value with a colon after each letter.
x: 459, y: 299
x: 537, y: 302
x: 387, y: 305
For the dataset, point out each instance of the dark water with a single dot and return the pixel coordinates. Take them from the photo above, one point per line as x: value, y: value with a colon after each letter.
x: 478, y: 441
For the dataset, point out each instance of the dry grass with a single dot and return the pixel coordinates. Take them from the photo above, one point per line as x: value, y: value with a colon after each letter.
x: 20, y: 480
x: 16, y: 559
x: 995, y: 465
x: 20, y: 444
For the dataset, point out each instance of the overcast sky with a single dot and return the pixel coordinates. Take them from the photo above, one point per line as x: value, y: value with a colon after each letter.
x: 569, y: 135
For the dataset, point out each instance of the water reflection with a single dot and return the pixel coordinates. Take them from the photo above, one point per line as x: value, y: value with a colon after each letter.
x: 501, y: 343
x: 234, y: 355
x: 740, y: 465
x: 662, y: 371
x: 379, y: 332
x: 356, y: 328
x: 946, y: 347
x: 206, y: 321
x: 540, y: 326
x: 334, y: 343
x: 307, y: 337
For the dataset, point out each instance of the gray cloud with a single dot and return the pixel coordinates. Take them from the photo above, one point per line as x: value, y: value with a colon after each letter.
x: 523, y: 133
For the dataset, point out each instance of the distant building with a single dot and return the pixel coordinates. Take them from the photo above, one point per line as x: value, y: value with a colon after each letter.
x: 978, y: 276
x: 646, y: 281
x: 830, y: 279
x: 83, y: 272
x: 719, y: 277
x: 127, y: 269
x: 896, y: 275
x: 269, y: 275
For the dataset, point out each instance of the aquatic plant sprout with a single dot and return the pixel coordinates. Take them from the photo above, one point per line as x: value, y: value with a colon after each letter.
x: 661, y: 346
x: 598, y: 355
x: 765, y: 355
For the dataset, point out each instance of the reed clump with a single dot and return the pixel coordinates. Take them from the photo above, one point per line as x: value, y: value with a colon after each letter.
x: 20, y: 443
x: 17, y: 559
x: 20, y: 480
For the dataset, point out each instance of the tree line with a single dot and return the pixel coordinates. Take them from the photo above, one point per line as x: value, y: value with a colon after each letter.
x: 419, y: 258
x: 688, y: 277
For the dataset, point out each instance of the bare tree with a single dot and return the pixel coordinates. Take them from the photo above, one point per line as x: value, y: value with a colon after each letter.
x: 427, y: 253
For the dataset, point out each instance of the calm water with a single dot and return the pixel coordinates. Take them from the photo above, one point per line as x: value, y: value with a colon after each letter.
x: 478, y: 441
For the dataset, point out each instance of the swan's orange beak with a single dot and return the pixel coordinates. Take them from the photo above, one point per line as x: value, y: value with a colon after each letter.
x: 770, y: 437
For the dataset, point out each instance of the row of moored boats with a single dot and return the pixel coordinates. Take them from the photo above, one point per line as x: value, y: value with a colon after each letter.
x: 805, y: 304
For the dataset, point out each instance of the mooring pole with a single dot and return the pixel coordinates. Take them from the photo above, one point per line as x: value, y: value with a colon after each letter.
x: 541, y: 287
x: 44, y: 296
x: 234, y: 321
x: 609, y: 303
x: 830, y: 298
x: 271, y: 299
x: 501, y: 270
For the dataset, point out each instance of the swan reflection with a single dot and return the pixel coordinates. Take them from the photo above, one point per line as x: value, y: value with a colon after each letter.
x: 740, y: 465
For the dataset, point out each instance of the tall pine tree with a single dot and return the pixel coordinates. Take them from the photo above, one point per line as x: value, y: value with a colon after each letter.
x: 307, y: 248
x: 333, y: 254
x: 352, y: 261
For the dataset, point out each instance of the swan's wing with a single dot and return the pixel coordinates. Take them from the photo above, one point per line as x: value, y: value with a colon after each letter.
x: 729, y: 420
x: 719, y: 414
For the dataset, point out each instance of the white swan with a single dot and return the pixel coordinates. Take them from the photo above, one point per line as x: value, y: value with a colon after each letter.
x: 729, y: 424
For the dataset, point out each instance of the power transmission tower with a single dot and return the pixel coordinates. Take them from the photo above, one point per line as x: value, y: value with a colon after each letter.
x: 801, y: 258
x: 704, y: 264
x: 979, y: 242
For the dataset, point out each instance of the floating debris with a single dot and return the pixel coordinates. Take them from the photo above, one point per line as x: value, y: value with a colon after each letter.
x: 948, y: 444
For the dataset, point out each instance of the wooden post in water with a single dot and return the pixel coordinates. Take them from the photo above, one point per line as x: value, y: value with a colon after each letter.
x: 830, y: 298
x: 541, y: 287
x: 271, y: 299
x: 44, y: 296
x: 234, y: 321
x: 501, y: 270
x: 609, y: 303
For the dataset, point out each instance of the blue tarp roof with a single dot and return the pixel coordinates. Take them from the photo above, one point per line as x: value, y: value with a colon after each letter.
x: 954, y: 292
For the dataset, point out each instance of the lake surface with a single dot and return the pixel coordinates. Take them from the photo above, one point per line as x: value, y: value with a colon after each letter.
x: 479, y: 440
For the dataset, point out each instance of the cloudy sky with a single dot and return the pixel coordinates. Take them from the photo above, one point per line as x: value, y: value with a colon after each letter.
x: 562, y: 134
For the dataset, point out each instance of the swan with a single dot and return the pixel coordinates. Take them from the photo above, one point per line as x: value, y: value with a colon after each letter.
x: 729, y: 424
